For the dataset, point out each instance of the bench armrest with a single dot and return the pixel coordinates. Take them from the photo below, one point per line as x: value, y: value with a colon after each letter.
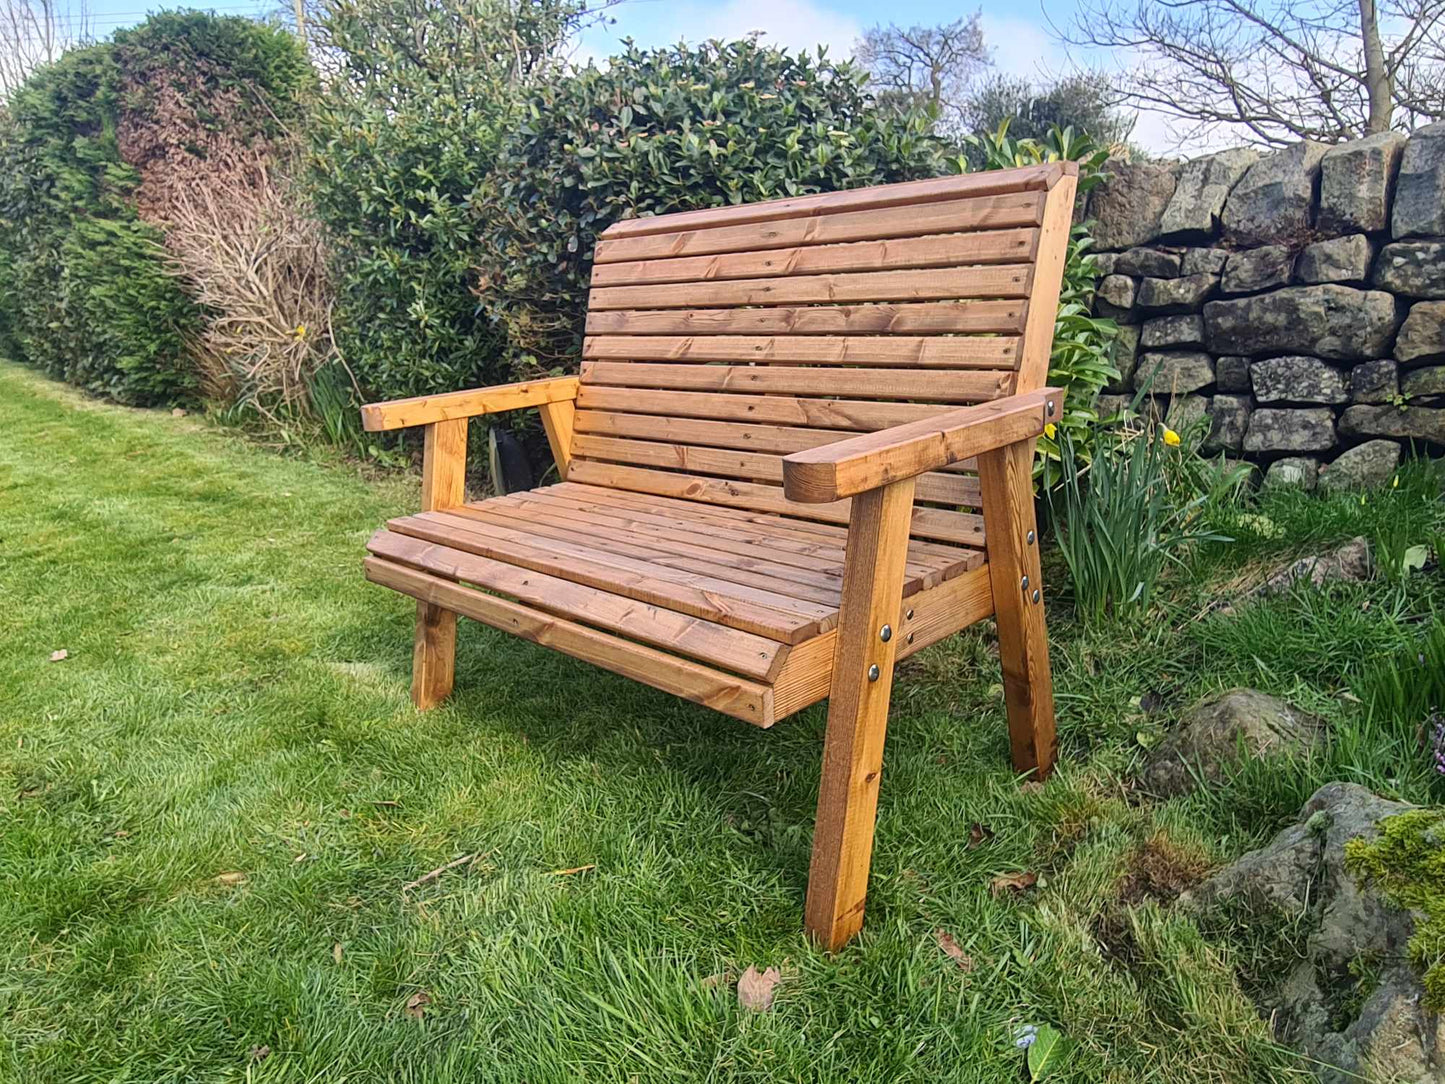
x: 426, y: 409
x: 847, y: 467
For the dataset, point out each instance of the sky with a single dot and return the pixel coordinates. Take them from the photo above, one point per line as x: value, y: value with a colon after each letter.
x: 1018, y: 31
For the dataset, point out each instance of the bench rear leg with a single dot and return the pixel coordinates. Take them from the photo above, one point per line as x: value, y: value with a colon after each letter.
x: 857, y: 713
x: 443, y: 486
x: 1006, y: 479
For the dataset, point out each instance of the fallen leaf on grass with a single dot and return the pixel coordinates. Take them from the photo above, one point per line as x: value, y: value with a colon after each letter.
x: 1031, y: 786
x: 233, y: 878
x: 712, y: 982
x: 574, y: 869
x: 952, y: 950
x: 416, y: 1004
x: 336, y: 952
x: 755, y: 991
x: 260, y: 1053
x: 1047, y: 1052
x: 59, y: 656
x: 979, y: 833
x: 1012, y: 882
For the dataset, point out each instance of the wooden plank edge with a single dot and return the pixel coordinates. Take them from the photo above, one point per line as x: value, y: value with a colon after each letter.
x: 747, y: 700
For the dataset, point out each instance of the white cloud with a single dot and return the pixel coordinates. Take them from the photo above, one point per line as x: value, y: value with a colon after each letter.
x: 797, y: 24
x: 1024, y: 48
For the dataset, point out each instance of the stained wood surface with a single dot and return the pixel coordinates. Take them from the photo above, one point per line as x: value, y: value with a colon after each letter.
x: 900, y: 351
x: 443, y: 485
x: 425, y: 409
x: 861, y: 683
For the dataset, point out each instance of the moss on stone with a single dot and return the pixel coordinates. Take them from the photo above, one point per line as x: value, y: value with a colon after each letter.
x: 1407, y: 864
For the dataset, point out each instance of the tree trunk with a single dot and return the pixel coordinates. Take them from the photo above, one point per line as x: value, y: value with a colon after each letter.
x: 1377, y: 80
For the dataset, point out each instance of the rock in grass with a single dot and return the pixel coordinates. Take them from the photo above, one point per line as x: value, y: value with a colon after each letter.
x: 1211, y: 737
x: 1299, y: 471
x: 1366, y: 466
x: 1349, y: 563
x: 1357, y: 1023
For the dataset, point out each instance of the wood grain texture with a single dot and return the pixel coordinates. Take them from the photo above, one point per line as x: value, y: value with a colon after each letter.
x: 964, y: 386
x: 733, y: 695
x: 425, y: 409
x: 907, y: 193
x: 1048, y: 280
x: 1006, y: 475
x: 854, y: 414
x: 841, y: 469
x: 558, y: 420
x: 443, y: 485
x: 922, y: 318
x: 857, y: 715
x: 876, y: 351
x: 943, y: 250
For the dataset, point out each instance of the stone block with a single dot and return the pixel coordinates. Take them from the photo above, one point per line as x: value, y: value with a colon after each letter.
x: 1117, y: 291
x: 1402, y: 423
x: 1355, y: 181
x: 1340, y: 259
x: 1229, y: 421
x: 1420, y: 186
x: 1412, y: 268
x: 1147, y: 263
x: 1202, y: 261
x: 1185, y: 329
x: 1231, y: 373
x: 1174, y: 372
x: 1422, y: 336
x: 1371, y: 465
x: 1297, y: 379
x: 1299, y: 471
x: 1374, y: 381
x: 1274, y: 200
x: 1127, y: 209
x: 1426, y: 383
x: 1203, y: 186
x: 1329, y: 321
x: 1125, y: 356
x: 1185, y: 294
x: 1304, y: 429
x: 1256, y: 269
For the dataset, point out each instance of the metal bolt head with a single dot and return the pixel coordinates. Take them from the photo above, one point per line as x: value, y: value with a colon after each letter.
x: 910, y: 637
x: 1025, y: 583
x: 1050, y: 407
x: 1030, y: 538
x: 885, y: 633
x: 873, y: 672
x: 909, y: 615
x: 1036, y: 594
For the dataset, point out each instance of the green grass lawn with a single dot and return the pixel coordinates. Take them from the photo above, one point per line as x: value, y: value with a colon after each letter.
x: 210, y: 811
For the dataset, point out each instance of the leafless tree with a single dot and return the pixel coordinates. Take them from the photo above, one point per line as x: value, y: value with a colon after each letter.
x: 933, y: 66
x: 35, y: 32
x: 1284, y: 70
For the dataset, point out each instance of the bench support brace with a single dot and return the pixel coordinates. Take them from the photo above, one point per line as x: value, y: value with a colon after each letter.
x: 443, y: 485
x: 858, y: 712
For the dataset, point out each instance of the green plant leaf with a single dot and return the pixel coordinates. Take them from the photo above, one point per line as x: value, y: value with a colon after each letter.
x: 1414, y: 558
x: 1047, y: 1052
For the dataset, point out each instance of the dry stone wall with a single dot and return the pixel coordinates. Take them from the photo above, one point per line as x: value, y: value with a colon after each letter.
x: 1296, y: 298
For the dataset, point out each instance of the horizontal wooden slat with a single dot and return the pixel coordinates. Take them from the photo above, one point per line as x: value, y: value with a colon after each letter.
x: 945, y: 526
x: 750, y: 539
x: 739, y: 697
x: 943, y: 250
x: 1011, y: 209
x: 425, y: 409
x: 851, y: 466
x: 786, y: 583
x: 762, y: 612
x: 948, y: 283
x: 914, y: 352
x: 847, y: 414
x: 730, y: 463
x: 777, y: 439
x: 955, y: 386
x: 938, y: 612
x: 928, y: 317
x: 731, y: 649
x: 1030, y: 178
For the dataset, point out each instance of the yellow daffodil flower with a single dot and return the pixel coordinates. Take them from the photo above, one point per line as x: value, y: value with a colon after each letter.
x: 1050, y: 429
x: 1171, y: 438
x: 300, y: 331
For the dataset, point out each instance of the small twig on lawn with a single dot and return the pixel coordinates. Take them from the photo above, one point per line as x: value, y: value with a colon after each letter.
x: 574, y: 869
x: 434, y: 874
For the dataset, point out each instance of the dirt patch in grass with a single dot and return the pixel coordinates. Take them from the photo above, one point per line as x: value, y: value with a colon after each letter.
x: 1160, y: 869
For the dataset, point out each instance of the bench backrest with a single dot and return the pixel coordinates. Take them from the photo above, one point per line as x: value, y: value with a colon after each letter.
x: 720, y: 340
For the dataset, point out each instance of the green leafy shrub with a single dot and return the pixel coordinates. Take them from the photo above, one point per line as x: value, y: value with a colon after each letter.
x: 401, y: 140
x: 667, y: 130
x: 86, y: 293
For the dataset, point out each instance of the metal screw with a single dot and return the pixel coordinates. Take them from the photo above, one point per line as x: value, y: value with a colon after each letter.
x: 1036, y: 594
x: 1025, y: 584
x: 910, y: 637
x: 1050, y: 406
x: 873, y: 672
x: 885, y: 633
x: 909, y: 615
x: 1031, y: 538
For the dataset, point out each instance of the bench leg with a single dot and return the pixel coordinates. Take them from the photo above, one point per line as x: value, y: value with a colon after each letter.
x: 434, y: 655
x: 857, y: 713
x: 1006, y: 479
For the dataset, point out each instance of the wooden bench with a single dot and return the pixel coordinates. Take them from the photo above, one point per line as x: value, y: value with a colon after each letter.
x: 781, y: 410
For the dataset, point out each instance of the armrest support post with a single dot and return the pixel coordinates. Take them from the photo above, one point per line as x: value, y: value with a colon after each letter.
x: 847, y: 467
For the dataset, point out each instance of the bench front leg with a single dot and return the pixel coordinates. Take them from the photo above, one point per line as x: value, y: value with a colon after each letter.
x: 858, y: 712
x: 1005, y: 477
x: 443, y: 485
